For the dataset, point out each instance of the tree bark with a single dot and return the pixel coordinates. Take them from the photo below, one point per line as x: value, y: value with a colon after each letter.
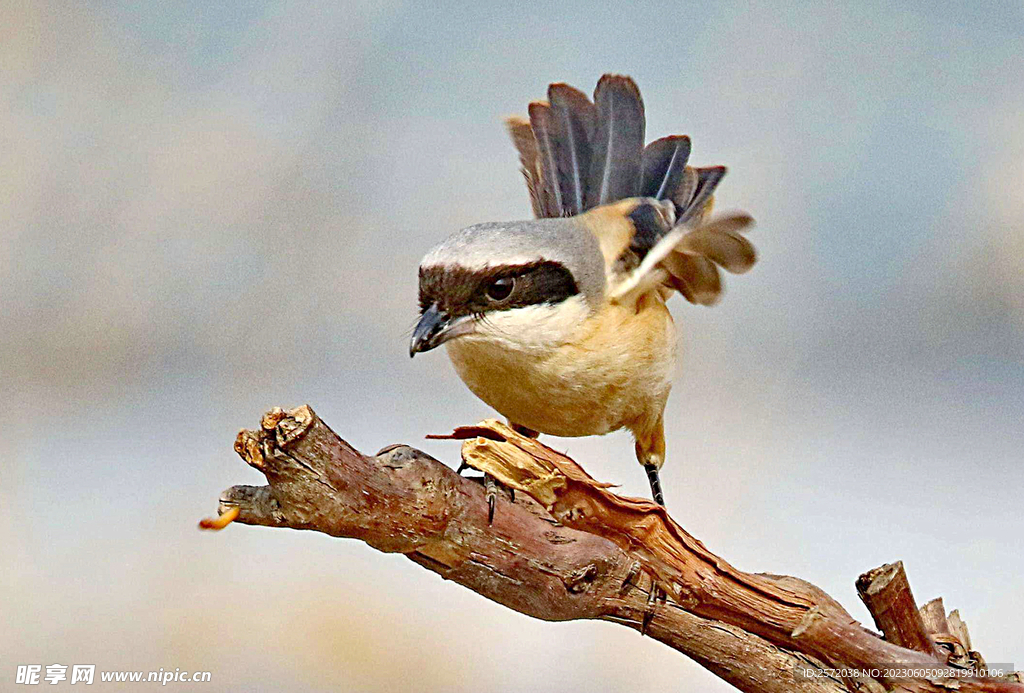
x: 566, y: 548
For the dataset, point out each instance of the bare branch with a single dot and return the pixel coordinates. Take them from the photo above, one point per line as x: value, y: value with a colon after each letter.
x: 566, y: 549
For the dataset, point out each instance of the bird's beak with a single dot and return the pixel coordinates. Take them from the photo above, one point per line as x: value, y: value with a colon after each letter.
x: 435, y: 328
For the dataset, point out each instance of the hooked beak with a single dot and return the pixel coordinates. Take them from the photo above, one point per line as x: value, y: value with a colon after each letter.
x: 435, y: 328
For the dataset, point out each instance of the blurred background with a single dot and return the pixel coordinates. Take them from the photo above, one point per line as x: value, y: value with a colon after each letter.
x: 208, y: 209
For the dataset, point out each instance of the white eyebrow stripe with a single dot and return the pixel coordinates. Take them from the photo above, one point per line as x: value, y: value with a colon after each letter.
x: 475, y: 262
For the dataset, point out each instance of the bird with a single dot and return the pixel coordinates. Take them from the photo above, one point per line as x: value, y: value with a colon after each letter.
x: 560, y: 322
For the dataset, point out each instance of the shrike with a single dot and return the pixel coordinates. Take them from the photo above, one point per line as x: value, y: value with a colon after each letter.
x: 560, y: 323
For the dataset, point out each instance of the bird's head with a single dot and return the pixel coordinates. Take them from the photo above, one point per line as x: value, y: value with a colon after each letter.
x: 525, y: 284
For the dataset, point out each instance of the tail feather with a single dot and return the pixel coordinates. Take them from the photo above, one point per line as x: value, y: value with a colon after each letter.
x: 694, y: 195
x: 683, y: 194
x: 573, y: 120
x: 543, y: 131
x: 618, y: 141
x: 663, y: 164
x: 529, y: 161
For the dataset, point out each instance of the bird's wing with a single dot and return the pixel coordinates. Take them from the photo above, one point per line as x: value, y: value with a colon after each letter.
x: 647, y: 250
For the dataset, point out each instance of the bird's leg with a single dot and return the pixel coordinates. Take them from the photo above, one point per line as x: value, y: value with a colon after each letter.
x: 650, y: 451
x: 655, y: 481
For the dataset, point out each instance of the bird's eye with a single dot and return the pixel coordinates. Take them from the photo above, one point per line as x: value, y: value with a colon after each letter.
x: 501, y: 288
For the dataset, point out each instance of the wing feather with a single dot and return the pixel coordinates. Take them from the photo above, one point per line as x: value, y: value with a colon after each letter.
x: 720, y: 241
x: 695, y: 277
x: 687, y: 259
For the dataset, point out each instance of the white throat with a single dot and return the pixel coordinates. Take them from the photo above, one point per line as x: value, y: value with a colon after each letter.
x: 535, y: 328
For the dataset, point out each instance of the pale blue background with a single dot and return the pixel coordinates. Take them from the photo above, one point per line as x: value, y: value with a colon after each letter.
x: 208, y: 209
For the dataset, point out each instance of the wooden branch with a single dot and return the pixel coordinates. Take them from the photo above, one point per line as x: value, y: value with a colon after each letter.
x: 886, y: 593
x: 568, y: 549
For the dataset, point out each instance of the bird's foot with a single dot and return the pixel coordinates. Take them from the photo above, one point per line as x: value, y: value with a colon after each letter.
x: 656, y: 596
x: 491, y: 486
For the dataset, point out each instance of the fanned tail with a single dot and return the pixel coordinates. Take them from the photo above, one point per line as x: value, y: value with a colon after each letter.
x: 577, y: 155
x: 581, y: 153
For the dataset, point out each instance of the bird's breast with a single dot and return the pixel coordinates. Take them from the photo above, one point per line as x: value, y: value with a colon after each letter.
x: 613, y: 371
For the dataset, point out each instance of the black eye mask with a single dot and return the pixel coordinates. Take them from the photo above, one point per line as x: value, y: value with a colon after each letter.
x: 459, y: 291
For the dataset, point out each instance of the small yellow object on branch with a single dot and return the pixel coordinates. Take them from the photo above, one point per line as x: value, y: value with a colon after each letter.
x: 220, y: 522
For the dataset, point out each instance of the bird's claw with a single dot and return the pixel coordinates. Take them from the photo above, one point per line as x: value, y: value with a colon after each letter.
x: 491, y: 486
x: 654, y: 597
x: 629, y: 581
x: 491, y: 493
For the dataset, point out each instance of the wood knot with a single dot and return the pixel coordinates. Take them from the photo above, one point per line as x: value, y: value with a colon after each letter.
x: 576, y: 513
x: 272, y: 418
x: 579, y: 580
x: 809, y: 620
x: 398, y: 456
